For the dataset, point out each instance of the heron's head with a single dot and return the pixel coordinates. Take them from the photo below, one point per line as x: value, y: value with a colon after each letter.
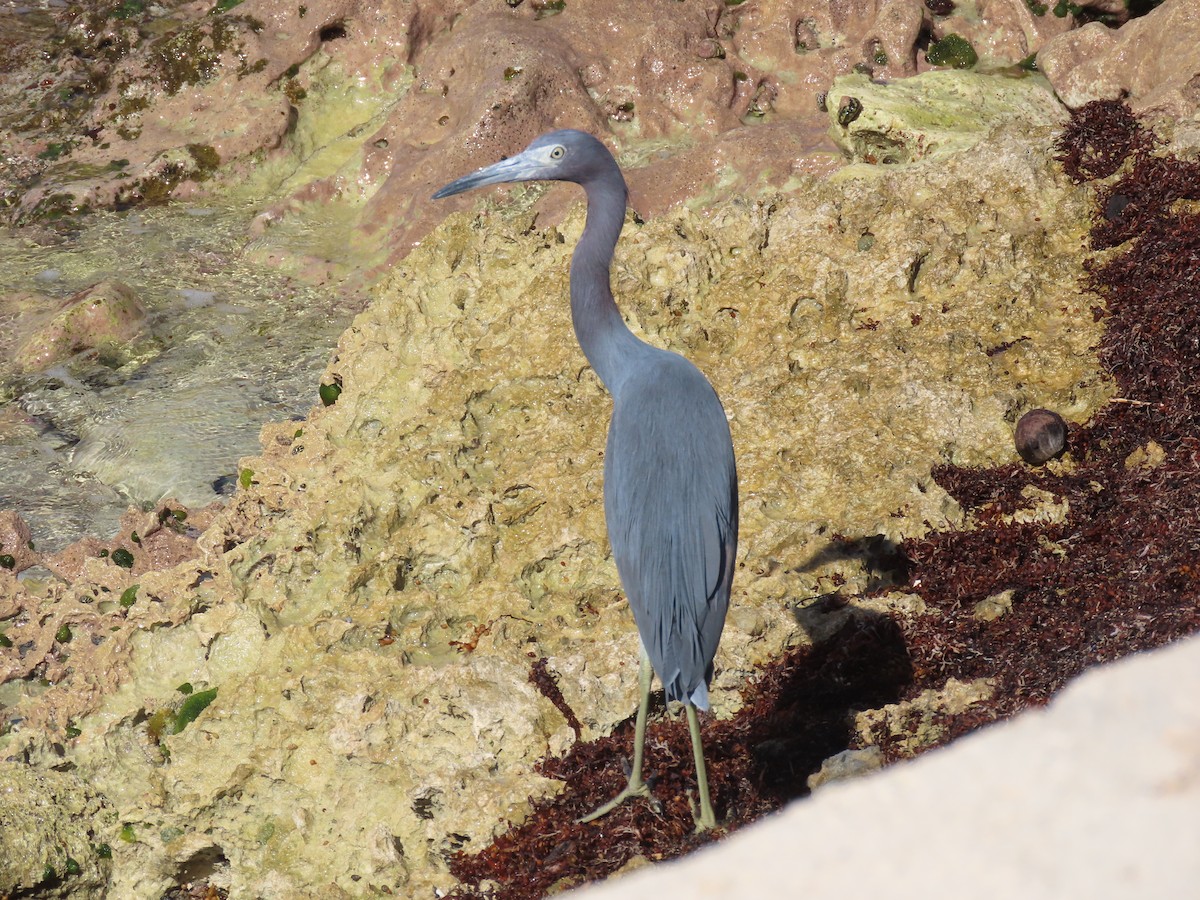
x: 566, y: 155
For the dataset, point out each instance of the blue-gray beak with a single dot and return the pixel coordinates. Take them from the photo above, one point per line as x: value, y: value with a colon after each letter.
x: 521, y: 167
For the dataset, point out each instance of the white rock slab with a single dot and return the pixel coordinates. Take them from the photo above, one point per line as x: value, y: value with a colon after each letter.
x: 1097, y: 795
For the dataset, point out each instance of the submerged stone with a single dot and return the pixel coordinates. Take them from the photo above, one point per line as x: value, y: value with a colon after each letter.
x: 106, y: 314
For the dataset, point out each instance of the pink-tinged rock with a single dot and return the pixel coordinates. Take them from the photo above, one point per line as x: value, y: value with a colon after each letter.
x: 14, y: 541
x: 156, y: 540
x: 108, y: 312
x: 1005, y: 29
x: 1155, y: 60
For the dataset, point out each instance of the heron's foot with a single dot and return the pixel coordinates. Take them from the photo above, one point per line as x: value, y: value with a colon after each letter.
x: 639, y: 788
x: 703, y: 815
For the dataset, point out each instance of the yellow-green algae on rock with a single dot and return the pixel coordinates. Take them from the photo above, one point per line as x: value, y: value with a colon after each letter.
x: 50, y: 835
x: 935, y: 114
x: 369, y: 607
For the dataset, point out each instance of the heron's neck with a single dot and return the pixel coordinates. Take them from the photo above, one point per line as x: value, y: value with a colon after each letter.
x: 606, y: 340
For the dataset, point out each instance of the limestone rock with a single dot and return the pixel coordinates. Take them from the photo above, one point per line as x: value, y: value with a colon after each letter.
x: 935, y: 114
x: 1153, y: 61
x: 54, y: 834
x: 847, y: 764
x: 1005, y: 30
x: 15, y: 540
x: 369, y: 605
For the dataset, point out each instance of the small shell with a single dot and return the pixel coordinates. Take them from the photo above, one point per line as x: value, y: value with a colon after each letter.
x: 849, y: 110
x: 1041, y: 435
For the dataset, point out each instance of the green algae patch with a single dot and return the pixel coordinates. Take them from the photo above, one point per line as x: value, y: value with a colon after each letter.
x: 195, y: 704
x: 954, y: 51
x: 129, y: 596
x: 329, y: 393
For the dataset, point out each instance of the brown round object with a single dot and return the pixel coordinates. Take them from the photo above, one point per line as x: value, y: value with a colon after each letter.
x: 1041, y: 435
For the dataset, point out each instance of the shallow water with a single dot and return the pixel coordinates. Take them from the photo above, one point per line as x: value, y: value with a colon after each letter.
x: 229, y: 345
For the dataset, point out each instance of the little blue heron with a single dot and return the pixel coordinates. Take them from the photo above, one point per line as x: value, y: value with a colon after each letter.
x: 670, y: 481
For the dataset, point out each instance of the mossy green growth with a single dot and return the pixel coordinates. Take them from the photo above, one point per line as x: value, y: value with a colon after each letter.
x: 224, y: 6
x: 63, y: 635
x: 206, y: 157
x: 293, y: 91
x: 192, y: 55
x: 71, y: 867
x: 7, y: 561
x: 1037, y: 7
x: 192, y: 707
x: 129, y: 596
x: 157, y: 724
x: 104, y: 851
x: 72, y: 731
x: 55, y: 150
x: 1029, y: 63
x: 185, y: 688
x: 953, y: 51
x: 127, y: 834
x: 246, y: 478
x: 54, y: 207
x: 5, y: 642
x: 123, y: 558
x: 128, y: 9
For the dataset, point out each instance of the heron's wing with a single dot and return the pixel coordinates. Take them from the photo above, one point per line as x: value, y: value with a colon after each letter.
x: 670, y: 489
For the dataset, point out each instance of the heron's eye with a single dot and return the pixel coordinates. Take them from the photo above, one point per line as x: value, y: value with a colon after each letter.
x: 557, y: 153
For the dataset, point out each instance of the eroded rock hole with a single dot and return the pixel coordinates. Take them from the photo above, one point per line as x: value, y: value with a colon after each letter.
x: 332, y: 32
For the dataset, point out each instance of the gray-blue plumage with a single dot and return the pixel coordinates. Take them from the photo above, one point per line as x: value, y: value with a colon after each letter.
x: 670, y: 481
x: 670, y: 500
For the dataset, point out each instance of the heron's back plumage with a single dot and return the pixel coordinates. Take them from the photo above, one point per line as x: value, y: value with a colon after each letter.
x: 670, y: 500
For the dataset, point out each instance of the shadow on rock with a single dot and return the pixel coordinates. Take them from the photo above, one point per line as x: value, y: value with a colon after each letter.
x: 797, y: 713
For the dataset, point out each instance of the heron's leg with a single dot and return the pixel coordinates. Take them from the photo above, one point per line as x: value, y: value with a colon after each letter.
x: 706, y: 820
x: 636, y: 786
